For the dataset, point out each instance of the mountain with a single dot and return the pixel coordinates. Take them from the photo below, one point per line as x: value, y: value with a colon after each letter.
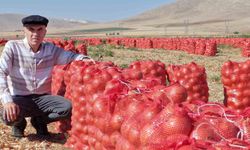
x: 197, y: 15
x: 181, y: 17
x: 12, y: 22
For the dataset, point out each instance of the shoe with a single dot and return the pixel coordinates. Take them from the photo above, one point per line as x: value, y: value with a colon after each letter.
x: 40, y: 126
x: 18, y: 130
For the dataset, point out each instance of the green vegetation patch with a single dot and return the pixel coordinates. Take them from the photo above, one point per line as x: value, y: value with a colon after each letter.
x: 99, y: 52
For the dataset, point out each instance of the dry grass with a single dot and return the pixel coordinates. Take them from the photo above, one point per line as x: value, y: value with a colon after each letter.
x: 123, y: 57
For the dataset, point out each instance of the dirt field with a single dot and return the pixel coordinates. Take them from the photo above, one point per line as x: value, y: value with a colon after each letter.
x: 123, y: 57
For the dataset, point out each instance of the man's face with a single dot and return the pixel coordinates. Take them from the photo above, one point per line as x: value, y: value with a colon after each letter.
x: 35, y: 34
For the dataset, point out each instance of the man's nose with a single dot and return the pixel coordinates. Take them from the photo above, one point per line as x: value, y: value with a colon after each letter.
x: 34, y: 33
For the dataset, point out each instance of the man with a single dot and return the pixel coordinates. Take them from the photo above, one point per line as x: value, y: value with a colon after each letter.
x: 25, y: 79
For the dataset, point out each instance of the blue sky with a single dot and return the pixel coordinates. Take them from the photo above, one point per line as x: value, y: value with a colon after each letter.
x: 93, y: 10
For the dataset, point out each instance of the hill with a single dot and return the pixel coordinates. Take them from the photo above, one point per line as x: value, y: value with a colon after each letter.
x: 181, y: 17
x: 12, y: 22
x: 197, y: 16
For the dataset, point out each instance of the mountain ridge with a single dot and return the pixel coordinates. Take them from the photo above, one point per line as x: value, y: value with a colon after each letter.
x: 12, y: 22
x: 179, y: 17
x: 221, y: 13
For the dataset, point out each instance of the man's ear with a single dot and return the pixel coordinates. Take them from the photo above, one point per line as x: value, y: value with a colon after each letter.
x: 46, y: 30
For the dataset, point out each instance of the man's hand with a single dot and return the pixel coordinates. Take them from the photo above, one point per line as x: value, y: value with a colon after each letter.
x: 11, y: 111
x: 89, y: 60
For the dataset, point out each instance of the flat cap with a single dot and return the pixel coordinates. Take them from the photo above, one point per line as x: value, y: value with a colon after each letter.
x: 35, y: 19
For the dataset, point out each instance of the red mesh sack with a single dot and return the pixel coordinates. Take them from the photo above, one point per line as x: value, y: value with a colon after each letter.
x: 214, y: 123
x: 171, y: 120
x: 132, y: 126
x: 58, y: 86
x: 191, y: 76
x: 171, y: 142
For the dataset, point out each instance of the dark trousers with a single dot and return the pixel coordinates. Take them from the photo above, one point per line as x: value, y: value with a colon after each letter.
x: 49, y: 108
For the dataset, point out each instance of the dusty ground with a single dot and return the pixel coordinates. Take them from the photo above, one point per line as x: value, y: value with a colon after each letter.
x: 123, y: 57
x: 31, y: 141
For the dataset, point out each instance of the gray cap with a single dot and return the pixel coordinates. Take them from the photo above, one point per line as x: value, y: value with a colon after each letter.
x: 35, y: 19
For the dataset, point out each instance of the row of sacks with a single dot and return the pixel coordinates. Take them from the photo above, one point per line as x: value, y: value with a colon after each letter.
x: 242, y: 43
x: 114, y: 109
x: 190, y: 45
x: 70, y: 45
x: 199, y: 46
